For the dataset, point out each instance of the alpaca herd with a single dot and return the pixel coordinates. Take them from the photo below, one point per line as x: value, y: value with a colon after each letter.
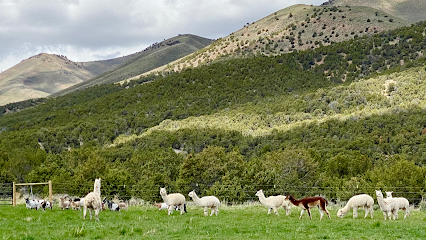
x: 176, y: 201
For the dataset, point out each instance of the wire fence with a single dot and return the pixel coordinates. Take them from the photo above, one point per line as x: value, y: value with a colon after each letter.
x: 6, y: 193
x: 227, y: 193
x: 237, y: 193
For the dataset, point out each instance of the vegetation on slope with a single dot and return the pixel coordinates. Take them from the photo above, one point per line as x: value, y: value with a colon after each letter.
x: 157, y: 55
x: 295, y: 28
x: 308, y: 119
x: 411, y: 10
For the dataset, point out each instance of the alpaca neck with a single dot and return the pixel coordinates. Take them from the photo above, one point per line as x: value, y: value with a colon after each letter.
x: 381, y: 202
x: 262, y: 198
x: 195, y: 198
x: 294, y: 201
x: 346, y: 209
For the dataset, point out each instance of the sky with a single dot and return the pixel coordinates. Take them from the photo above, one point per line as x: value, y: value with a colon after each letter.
x: 89, y: 30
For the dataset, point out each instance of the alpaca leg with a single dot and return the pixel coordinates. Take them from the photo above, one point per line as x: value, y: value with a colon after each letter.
x: 84, y: 211
x: 206, y: 211
x: 301, y: 213
x: 407, y: 213
x: 309, y: 213
x: 287, y: 210
x: 275, y: 210
x: 90, y: 210
x: 170, y: 209
x: 321, y: 213
x: 367, y: 210
x: 216, y: 209
x: 269, y: 210
x: 97, y: 214
x: 371, y: 212
x: 395, y: 214
x: 355, y: 212
x: 182, y: 209
x: 384, y: 214
x: 326, y: 211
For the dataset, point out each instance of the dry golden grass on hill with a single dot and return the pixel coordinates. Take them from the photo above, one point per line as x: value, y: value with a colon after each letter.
x: 410, y: 10
x: 39, y: 76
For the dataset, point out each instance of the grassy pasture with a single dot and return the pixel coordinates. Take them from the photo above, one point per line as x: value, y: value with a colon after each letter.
x: 236, y: 222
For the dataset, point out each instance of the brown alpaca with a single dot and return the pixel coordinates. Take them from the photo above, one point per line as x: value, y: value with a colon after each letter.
x: 93, y: 201
x: 309, y: 202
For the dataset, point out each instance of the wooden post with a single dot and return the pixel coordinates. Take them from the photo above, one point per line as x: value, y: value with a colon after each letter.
x: 13, y: 195
x: 50, y: 191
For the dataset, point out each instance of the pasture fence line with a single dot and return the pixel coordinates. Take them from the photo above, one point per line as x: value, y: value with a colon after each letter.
x: 150, y: 193
x: 6, y: 192
x: 49, y: 183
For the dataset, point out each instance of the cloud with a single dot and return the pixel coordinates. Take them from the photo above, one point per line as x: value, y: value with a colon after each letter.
x: 93, y: 29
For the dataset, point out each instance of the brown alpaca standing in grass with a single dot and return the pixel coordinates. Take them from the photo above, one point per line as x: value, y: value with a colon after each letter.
x: 93, y: 201
x: 309, y: 202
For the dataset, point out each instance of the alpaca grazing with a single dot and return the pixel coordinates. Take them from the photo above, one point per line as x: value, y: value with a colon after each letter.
x: 112, y: 206
x: 123, y: 205
x: 309, y: 202
x: 388, y: 206
x: 75, y: 204
x: 161, y: 206
x: 64, y: 203
x: 362, y: 200
x: 401, y: 203
x: 206, y: 202
x: 93, y: 201
x: 274, y: 202
x: 46, y: 204
x: 173, y: 200
x: 32, y: 204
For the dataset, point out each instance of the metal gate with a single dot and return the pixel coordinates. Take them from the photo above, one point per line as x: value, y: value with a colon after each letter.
x: 6, y: 193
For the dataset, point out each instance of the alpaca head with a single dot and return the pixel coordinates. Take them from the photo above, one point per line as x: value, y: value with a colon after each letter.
x: 291, y: 198
x: 379, y: 194
x: 340, y: 213
x: 259, y: 193
x: 389, y: 194
x: 192, y: 194
x: 163, y: 192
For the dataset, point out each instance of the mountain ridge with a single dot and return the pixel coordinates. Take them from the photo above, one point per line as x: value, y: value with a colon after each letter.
x: 45, y: 74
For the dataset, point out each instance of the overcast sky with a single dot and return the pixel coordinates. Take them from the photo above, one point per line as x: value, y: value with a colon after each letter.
x: 87, y: 30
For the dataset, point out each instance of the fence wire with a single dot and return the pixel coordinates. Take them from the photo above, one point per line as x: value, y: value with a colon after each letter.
x: 246, y: 193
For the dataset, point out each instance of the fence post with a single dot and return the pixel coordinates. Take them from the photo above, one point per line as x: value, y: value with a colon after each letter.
x: 50, y: 191
x: 13, y: 195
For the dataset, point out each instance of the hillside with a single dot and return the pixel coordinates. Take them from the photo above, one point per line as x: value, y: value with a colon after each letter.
x: 342, y: 119
x: 46, y: 74
x: 295, y: 28
x: 157, y: 55
x: 410, y: 10
x: 40, y: 76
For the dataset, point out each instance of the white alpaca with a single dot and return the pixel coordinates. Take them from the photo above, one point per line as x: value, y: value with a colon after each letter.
x: 362, y: 200
x: 401, y: 203
x: 274, y: 202
x: 161, y: 206
x: 388, y: 206
x: 81, y: 202
x: 32, y: 204
x: 93, y: 200
x: 206, y: 202
x: 173, y: 200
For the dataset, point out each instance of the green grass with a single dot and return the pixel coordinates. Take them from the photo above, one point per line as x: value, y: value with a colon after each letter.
x: 248, y: 222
